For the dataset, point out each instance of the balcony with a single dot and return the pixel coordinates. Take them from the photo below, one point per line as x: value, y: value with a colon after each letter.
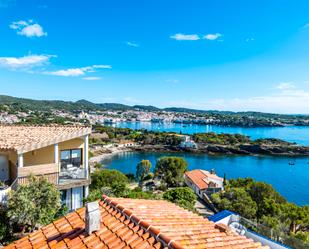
x: 61, y: 174
x: 71, y: 173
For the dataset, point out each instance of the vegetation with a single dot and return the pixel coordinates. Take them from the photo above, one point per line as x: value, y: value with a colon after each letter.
x: 158, y: 138
x: 222, y: 138
x: 144, y: 137
x: 261, y: 202
x: 114, y: 183
x: 112, y: 133
x: 238, y: 200
x: 171, y: 170
x: 143, y: 170
x: 5, y: 227
x: 246, y: 119
x: 34, y: 204
x: 137, y: 193
x: 182, y: 196
x: 141, y: 136
x: 108, y: 178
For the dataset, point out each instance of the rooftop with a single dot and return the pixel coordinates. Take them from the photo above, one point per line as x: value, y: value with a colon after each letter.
x: 136, y: 223
x: 201, y: 178
x: 24, y: 138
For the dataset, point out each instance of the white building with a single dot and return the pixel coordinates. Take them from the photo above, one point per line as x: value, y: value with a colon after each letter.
x: 188, y: 143
x: 203, y: 182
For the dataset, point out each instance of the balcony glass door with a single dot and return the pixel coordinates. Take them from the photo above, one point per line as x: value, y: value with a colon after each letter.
x: 77, y: 197
x: 71, y: 161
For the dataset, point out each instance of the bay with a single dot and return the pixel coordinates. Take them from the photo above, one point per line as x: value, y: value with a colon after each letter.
x: 291, y: 181
x: 297, y: 134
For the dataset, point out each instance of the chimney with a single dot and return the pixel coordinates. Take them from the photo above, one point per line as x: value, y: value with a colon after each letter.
x: 93, y: 217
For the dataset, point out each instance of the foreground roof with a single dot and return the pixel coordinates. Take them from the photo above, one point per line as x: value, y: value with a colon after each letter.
x: 201, y: 178
x: 133, y: 223
x: 24, y: 138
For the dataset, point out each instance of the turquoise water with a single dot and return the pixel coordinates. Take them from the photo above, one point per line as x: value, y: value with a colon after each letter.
x: 298, y: 134
x: 291, y: 181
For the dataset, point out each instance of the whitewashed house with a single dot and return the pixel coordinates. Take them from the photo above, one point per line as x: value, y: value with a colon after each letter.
x: 203, y: 182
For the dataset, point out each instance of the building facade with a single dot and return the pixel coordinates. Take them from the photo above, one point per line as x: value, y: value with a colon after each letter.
x: 203, y: 182
x: 58, y: 153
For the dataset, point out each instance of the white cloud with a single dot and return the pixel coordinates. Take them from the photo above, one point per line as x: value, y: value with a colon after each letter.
x: 91, y: 78
x: 102, y: 66
x: 184, y: 37
x: 132, y: 44
x: 28, y: 28
x: 212, y: 37
x: 72, y: 72
x: 285, y: 86
x: 68, y: 72
x: 25, y: 61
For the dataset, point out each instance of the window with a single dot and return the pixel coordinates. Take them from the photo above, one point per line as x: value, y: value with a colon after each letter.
x: 73, y: 197
x: 73, y: 157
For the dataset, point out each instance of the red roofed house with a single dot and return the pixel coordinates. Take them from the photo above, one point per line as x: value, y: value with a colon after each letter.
x: 135, y: 223
x: 59, y: 153
x: 203, y: 182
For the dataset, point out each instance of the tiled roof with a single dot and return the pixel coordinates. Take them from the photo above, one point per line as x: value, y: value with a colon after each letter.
x: 23, y: 138
x: 201, y: 178
x: 133, y: 223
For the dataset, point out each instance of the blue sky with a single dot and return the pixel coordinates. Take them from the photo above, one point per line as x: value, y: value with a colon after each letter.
x: 225, y: 55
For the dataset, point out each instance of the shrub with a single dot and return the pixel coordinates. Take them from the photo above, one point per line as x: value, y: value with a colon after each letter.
x: 34, y: 204
x: 107, y: 178
x: 183, y: 196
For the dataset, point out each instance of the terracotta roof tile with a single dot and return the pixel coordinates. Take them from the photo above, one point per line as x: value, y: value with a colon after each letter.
x: 132, y: 223
x: 23, y: 138
x: 201, y: 178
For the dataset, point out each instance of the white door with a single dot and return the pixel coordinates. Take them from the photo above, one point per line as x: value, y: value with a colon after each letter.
x: 4, y: 168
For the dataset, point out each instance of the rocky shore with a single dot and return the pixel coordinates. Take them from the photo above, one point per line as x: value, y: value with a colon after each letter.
x: 244, y: 149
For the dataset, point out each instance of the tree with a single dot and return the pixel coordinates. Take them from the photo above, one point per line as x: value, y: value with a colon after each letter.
x: 143, y: 169
x: 183, y: 196
x: 297, y: 218
x: 34, y: 204
x: 107, y: 178
x: 266, y: 198
x: 237, y: 200
x: 171, y: 170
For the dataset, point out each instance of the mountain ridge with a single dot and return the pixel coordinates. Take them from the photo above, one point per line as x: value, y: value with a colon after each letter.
x: 83, y: 104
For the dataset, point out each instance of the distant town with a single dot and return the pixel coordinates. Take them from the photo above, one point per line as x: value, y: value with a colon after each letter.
x: 19, y: 110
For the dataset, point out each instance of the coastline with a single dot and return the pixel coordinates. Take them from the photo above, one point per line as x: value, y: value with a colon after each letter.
x: 109, y: 153
x: 218, y: 151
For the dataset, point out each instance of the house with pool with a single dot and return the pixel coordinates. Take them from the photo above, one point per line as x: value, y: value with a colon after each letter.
x: 58, y: 153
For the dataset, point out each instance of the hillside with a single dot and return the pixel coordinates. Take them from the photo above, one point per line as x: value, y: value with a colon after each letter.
x: 47, y: 105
